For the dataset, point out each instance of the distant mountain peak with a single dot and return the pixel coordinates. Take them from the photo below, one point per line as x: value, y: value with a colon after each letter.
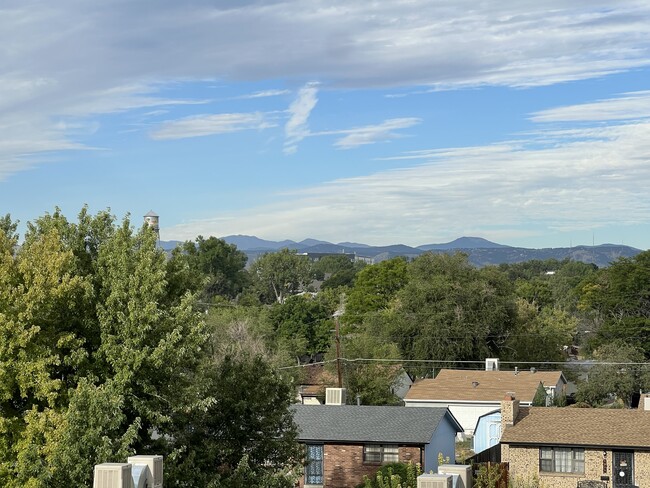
x: 464, y: 243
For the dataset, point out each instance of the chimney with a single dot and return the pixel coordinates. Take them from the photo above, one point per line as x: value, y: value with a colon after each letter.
x: 509, y: 410
x: 644, y: 402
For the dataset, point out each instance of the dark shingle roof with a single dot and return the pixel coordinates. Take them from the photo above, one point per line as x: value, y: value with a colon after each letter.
x: 580, y: 427
x: 363, y: 423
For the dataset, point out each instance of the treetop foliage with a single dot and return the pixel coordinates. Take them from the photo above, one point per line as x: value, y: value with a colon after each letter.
x: 108, y: 346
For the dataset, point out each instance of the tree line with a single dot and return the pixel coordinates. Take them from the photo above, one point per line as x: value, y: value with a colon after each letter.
x: 109, y: 346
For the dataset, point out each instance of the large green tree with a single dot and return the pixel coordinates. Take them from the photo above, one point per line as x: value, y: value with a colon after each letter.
x: 539, y: 335
x: 619, y: 372
x: 620, y: 295
x: 374, y: 288
x: 211, y: 266
x: 100, y: 355
x: 304, y: 320
x: 451, y: 311
x: 281, y: 274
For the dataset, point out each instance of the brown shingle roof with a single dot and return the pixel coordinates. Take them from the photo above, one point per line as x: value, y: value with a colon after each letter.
x: 596, y: 427
x: 458, y: 385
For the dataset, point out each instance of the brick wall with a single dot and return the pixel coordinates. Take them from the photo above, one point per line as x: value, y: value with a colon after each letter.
x: 343, y: 465
x: 642, y: 468
x: 524, y: 464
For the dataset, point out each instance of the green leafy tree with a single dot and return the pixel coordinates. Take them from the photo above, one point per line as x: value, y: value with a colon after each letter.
x: 328, y: 265
x: 304, y: 317
x: 620, y: 294
x: 539, y: 400
x: 98, y: 352
x: 374, y: 382
x: 626, y: 374
x: 535, y: 290
x: 211, y: 266
x: 452, y: 311
x: 281, y: 274
x: 540, y: 335
x: 374, y: 288
x: 240, y: 406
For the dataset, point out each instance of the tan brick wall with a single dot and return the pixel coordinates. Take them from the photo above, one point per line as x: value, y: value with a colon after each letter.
x: 343, y: 465
x: 524, y: 463
x: 642, y: 468
x: 509, y: 411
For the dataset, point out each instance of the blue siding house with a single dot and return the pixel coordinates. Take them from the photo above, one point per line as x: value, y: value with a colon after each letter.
x: 487, y: 432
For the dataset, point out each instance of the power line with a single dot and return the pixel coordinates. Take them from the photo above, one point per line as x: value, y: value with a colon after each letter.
x: 447, y: 361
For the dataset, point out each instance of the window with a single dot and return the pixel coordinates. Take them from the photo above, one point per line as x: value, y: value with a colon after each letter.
x: 314, y: 467
x: 561, y: 460
x: 380, y: 454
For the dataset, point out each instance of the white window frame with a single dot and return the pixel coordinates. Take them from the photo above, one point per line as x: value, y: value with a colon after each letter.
x: 380, y: 453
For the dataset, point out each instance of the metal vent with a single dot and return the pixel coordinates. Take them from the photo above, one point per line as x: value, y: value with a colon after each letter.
x: 492, y: 364
x: 335, y: 396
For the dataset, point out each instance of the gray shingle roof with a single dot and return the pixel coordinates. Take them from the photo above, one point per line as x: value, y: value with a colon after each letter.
x: 363, y: 423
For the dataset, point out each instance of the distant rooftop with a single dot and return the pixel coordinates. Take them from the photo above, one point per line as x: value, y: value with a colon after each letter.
x: 482, y: 386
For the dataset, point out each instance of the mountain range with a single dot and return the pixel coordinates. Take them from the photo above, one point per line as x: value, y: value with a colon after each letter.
x: 481, y: 252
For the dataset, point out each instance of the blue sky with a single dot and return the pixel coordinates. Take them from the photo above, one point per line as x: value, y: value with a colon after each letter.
x: 414, y: 121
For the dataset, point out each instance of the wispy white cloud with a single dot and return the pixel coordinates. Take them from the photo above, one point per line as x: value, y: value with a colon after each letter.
x: 296, y: 128
x: 206, y: 125
x: 369, y: 134
x: 262, y: 94
x: 51, y: 70
x: 634, y: 105
x: 497, y: 191
x: 372, y: 134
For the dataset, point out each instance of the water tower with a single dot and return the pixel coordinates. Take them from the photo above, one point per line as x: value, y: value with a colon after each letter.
x: 153, y: 220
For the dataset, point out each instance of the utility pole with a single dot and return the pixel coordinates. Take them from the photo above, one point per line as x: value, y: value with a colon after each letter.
x: 337, y: 338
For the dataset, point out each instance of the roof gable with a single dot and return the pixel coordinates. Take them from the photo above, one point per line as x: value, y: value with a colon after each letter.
x: 482, y: 386
x: 364, y: 423
x: 580, y: 427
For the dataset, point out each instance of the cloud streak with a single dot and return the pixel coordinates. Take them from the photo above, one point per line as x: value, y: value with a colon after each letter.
x: 584, y: 181
x: 52, y: 70
x: 207, y: 125
x: 372, y: 134
x: 296, y: 128
x: 634, y: 105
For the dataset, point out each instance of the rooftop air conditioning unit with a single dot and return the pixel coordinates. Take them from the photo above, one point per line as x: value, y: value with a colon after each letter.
x: 155, y: 471
x: 142, y: 477
x: 492, y: 364
x: 435, y: 481
x: 463, y: 471
x: 112, y: 475
x: 335, y: 396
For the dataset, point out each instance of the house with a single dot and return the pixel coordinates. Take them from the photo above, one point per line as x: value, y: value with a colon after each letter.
x: 487, y: 431
x: 470, y: 394
x: 346, y: 442
x: 566, y: 447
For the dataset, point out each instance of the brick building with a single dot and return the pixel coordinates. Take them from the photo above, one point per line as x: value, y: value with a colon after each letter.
x: 564, y: 446
x: 346, y: 442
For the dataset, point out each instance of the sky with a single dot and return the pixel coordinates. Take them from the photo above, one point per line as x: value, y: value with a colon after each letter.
x: 382, y: 122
